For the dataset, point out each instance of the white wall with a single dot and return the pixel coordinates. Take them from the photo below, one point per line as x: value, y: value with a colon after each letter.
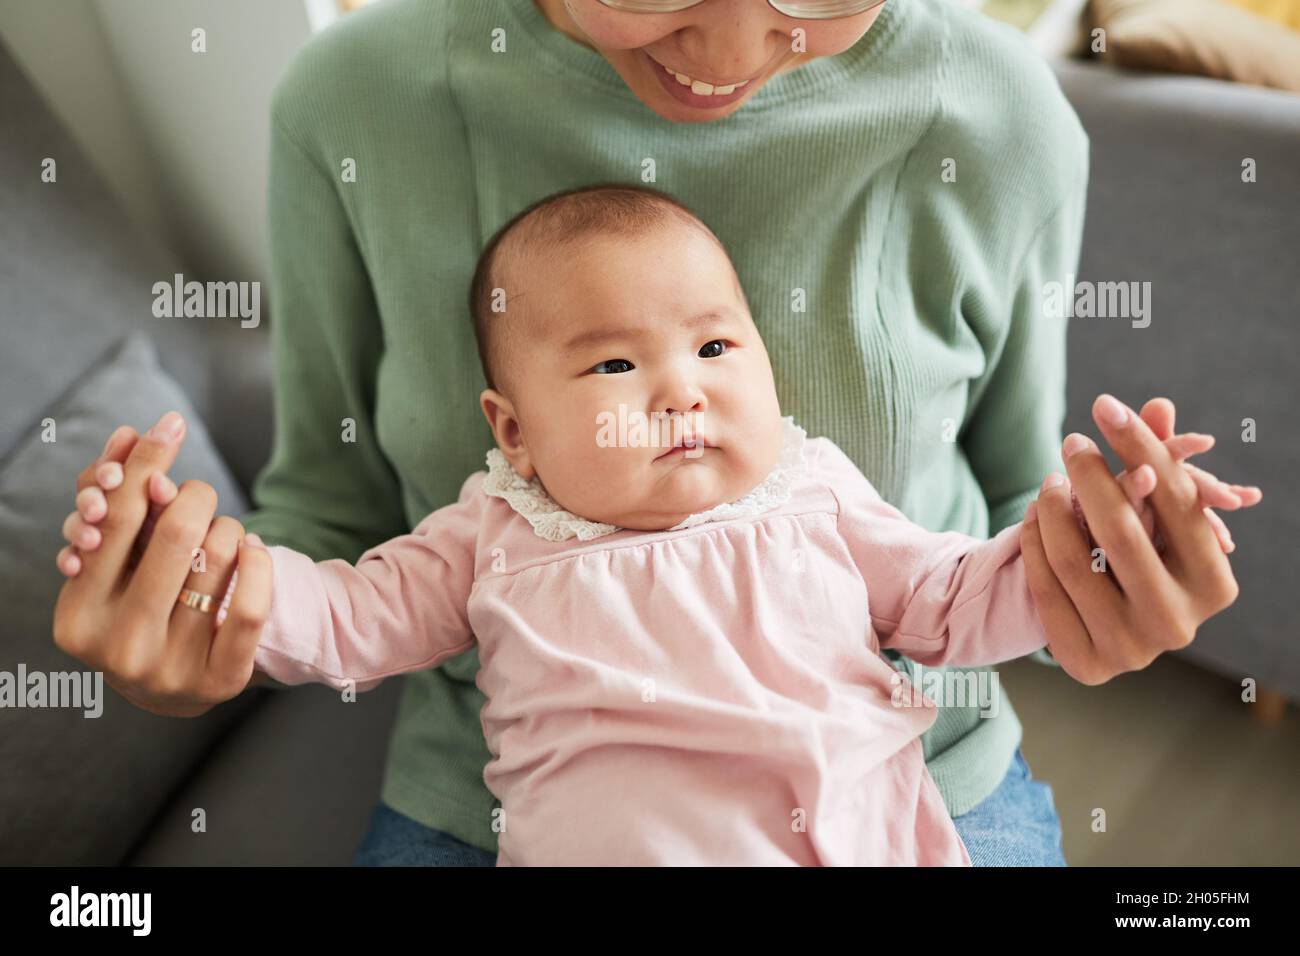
x: 181, y: 136
x: 61, y: 48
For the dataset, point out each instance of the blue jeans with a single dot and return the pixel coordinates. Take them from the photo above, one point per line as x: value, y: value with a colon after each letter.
x: 1015, y: 825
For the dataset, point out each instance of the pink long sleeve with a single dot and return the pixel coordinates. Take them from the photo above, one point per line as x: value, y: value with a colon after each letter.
x: 939, y: 598
x: 401, y: 608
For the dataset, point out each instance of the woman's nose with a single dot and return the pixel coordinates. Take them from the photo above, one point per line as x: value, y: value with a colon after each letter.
x: 733, y: 38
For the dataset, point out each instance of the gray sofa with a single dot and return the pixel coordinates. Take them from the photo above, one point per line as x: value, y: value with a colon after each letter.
x: 286, y: 776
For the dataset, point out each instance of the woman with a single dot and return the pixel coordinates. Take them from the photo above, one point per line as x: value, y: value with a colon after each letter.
x: 896, y: 183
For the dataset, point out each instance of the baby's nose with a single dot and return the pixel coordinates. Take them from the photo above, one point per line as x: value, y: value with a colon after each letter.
x: 685, y: 406
x: 683, y: 395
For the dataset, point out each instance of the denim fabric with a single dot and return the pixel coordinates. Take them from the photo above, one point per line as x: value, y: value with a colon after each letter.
x: 1016, y: 824
x: 396, y: 840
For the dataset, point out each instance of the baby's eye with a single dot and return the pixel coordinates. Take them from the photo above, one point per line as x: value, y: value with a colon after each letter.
x: 709, y: 350
x: 601, y: 369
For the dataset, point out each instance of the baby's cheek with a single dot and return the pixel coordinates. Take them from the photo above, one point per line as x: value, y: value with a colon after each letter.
x: 586, y: 479
x: 608, y: 479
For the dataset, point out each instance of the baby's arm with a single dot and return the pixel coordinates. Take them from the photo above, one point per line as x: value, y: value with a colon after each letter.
x: 402, y: 607
x: 939, y: 598
x: 946, y: 598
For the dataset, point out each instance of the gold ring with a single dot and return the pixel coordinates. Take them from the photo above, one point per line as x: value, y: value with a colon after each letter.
x: 200, y: 602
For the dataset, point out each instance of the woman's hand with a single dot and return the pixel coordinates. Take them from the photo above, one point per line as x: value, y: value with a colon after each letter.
x: 104, y: 474
x: 120, y: 614
x: 1139, y: 484
x: 1103, y: 624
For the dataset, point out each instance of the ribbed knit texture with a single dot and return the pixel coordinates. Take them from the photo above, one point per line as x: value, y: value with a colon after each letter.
x: 922, y: 320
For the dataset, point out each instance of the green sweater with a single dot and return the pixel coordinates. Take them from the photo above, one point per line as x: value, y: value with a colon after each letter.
x: 900, y: 309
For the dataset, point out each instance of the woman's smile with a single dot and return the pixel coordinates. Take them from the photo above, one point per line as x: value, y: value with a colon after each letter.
x: 699, y: 84
x: 692, y: 92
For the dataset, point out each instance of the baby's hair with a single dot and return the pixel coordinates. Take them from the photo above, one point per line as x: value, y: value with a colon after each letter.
x: 557, y: 220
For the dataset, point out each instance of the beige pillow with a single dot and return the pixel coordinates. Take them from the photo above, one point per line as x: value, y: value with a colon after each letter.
x: 1285, y: 12
x: 1205, y: 37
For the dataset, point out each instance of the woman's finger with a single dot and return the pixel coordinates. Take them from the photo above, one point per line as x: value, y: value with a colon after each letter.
x: 162, y: 491
x: 210, y: 573
x: 1067, y: 637
x: 1126, y: 628
x: 1092, y: 590
x: 231, y: 657
x: 1193, y: 549
x: 128, y: 504
x: 1113, y: 523
x: 165, y: 565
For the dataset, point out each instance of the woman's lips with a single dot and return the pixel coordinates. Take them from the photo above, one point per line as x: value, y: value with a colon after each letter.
x: 683, y: 94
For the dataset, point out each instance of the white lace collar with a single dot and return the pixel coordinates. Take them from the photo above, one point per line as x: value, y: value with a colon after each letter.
x: 550, y: 521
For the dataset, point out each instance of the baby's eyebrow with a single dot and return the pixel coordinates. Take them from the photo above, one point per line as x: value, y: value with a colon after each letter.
x: 593, y: 337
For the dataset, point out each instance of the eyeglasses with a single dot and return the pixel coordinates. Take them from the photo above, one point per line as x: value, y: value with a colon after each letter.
x: 798, y: 9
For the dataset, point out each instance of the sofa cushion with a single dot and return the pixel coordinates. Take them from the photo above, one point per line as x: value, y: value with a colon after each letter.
x: 293, y: 785
x: 1285, y: 12
x: 82, y: 790
x: 1201, y: 37
x: 1168, y: 205
x: 76, y: 276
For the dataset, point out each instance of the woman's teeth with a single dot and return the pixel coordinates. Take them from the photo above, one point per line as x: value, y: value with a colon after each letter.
x: 700, y: 88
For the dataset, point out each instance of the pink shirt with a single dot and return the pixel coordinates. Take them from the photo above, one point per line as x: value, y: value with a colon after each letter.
x: 713, y: 694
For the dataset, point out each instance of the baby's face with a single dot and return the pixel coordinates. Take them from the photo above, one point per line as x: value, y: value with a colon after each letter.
x: 621, y: 347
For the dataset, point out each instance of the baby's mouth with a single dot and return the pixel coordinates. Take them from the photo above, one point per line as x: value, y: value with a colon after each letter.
x: 688, y: 446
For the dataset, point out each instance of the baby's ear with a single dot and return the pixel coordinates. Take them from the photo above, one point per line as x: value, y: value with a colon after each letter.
x: 500, y: 414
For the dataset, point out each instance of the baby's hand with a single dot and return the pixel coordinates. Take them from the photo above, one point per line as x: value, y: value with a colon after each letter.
x: 1138, y: 486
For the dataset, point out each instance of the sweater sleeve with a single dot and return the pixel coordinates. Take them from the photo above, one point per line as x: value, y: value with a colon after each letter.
x: 937, y: 597
x: 1021, y: 400
x: 328, y: 491
x: 1013, y: 436
x: 402, y: 607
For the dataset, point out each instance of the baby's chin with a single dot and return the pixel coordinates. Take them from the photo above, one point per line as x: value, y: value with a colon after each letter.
x: 657, y: 521
x: 660, y: 515
x: 689, y: 490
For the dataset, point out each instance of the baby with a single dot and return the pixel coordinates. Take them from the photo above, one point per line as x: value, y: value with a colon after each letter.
x: 679, y: 599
